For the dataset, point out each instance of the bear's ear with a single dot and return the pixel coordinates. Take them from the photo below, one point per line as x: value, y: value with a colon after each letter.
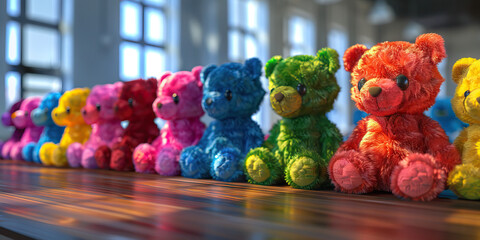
x: 271, y: 64
x: 86, y: 91
x: 433, y: 44
x: 117, y: 86
x: 165, y: 75
x: 460, y: 69
x: 254, y: 66
x: 152, y: 84
x: 197, y: 71
x: 205, y: 72
x: 330, y: 59
x: 352, y: 55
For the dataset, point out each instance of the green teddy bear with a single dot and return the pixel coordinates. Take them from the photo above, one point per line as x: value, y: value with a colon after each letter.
x: 302, y: 90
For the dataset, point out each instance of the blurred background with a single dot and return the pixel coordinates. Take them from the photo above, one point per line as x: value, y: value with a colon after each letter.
x: 55, y: 45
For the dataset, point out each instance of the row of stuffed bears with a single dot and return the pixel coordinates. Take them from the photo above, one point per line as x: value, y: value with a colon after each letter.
x: 395, y: 148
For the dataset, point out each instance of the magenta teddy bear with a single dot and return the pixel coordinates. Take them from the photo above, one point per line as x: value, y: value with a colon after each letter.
x: 17, y: 134
x: 22, y: 119
x: 179, y: 99
x: 106, y: 127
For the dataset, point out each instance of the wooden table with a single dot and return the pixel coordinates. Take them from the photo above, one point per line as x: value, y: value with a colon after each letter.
x: 50, y: 203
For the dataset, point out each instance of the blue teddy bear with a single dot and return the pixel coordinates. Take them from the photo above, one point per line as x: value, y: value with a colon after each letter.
x: 232, y: 93
x: 442, y: 112
x: 42, y: 116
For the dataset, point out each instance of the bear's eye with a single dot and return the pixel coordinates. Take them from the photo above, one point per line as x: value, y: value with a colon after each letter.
x: 130, y: 102
x: 271, y: 90
x: 402, y: 82
x: 466, y: 93
x: 301, y: 89
x: 98, y: 107
x: 228, y: 95
x: 175, y: 98
x: 67, y: 110
x: 361, y: 83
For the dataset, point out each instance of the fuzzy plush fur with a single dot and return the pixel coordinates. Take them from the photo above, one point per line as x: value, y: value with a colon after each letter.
x: 464, y: 180
x: 69, y: 114
x: 21, y: 118
x: 302, y: 90
x: 17, y: 133
x: 179, y: 102
x: 396, y: 148
x: 231, y: 95
x: 42, y: 116
x: 135, y: 105
x: 106, y: 127
x: 443, y: 113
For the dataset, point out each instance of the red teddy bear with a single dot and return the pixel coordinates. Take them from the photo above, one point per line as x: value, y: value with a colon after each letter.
x: 396, y: 148
x: 135, y: 105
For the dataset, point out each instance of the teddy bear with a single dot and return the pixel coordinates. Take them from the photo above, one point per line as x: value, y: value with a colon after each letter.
x: 179, y: 103
x: 464, y: 180
x: 302, y: 90
x: 442, y: 112
x: 17, y: 133
x: 21, y: 118
x: 106, y: 127
x: 68, y: 113
x: 42, y: 116
x: 232, y: 93
x: 134, y: 104
x: 396, y: 148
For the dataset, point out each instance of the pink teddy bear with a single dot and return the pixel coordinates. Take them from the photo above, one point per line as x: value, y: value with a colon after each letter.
x: 21, y: 119
x: 106, y: 128
x: 178, y: 102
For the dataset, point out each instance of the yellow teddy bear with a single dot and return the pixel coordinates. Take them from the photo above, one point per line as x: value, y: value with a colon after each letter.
x: 69, y: 114
x: 464, y: 180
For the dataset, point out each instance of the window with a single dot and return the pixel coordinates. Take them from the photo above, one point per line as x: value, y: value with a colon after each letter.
x: 301, y: 36
x: 143, y: 30
x: 247, y: 38
x: 33, y: 48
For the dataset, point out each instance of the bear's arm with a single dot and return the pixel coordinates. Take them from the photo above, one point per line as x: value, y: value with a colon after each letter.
x: 203, y: 142
x: 330, y: 139
x: 254, y: 137
x: 271, y: 142
x: 353, y: 142
x: 460, y: 140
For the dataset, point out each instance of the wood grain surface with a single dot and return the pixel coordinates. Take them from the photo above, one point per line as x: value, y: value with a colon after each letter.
x: 50, y: 203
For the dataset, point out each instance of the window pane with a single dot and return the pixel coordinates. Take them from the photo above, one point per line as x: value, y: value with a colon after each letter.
x: 129, y: 61
x: 12, y: 88
x: 296, y: 30
x: 13, y: 8
x: 41, y: 47
x: 130, y: 20
x: 155, y: 63
x: 251, y: 14
x: 12, y: 54
x: 234, y: 47
x: 154, y: 26
x: 157, y: 3
x: 297, y: 51
x: 43, y: 10
x: 41, y: 84
x: 251, y: 47
x: 233, y: 12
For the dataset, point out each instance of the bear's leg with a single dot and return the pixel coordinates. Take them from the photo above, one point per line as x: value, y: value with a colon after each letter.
x: 88, y: 158
x: 306, y: 170
x: 464, y: 180
x: 166, y: 163
x: 144, y: 158
x: 418, y: 177
x: 46, y: 153
x: 352, y: 172
x: 6, y: 149
x: 102, y: 157
x: 121, y: 158
x: 74, y: 154
x: 16, y: 152
x: 36, y: 153
x: 27, y: 152
x: 227, y: 165
x: 261, y: 167
x: 195, y: 163
x: 59, y: 157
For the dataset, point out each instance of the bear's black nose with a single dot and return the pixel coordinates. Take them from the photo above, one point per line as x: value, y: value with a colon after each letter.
x: 116, y: 108
x: 84, y: 112
x: 375, y: 91
x: 159, y: 105
x: 208, y: 101
x: 279, y: 96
